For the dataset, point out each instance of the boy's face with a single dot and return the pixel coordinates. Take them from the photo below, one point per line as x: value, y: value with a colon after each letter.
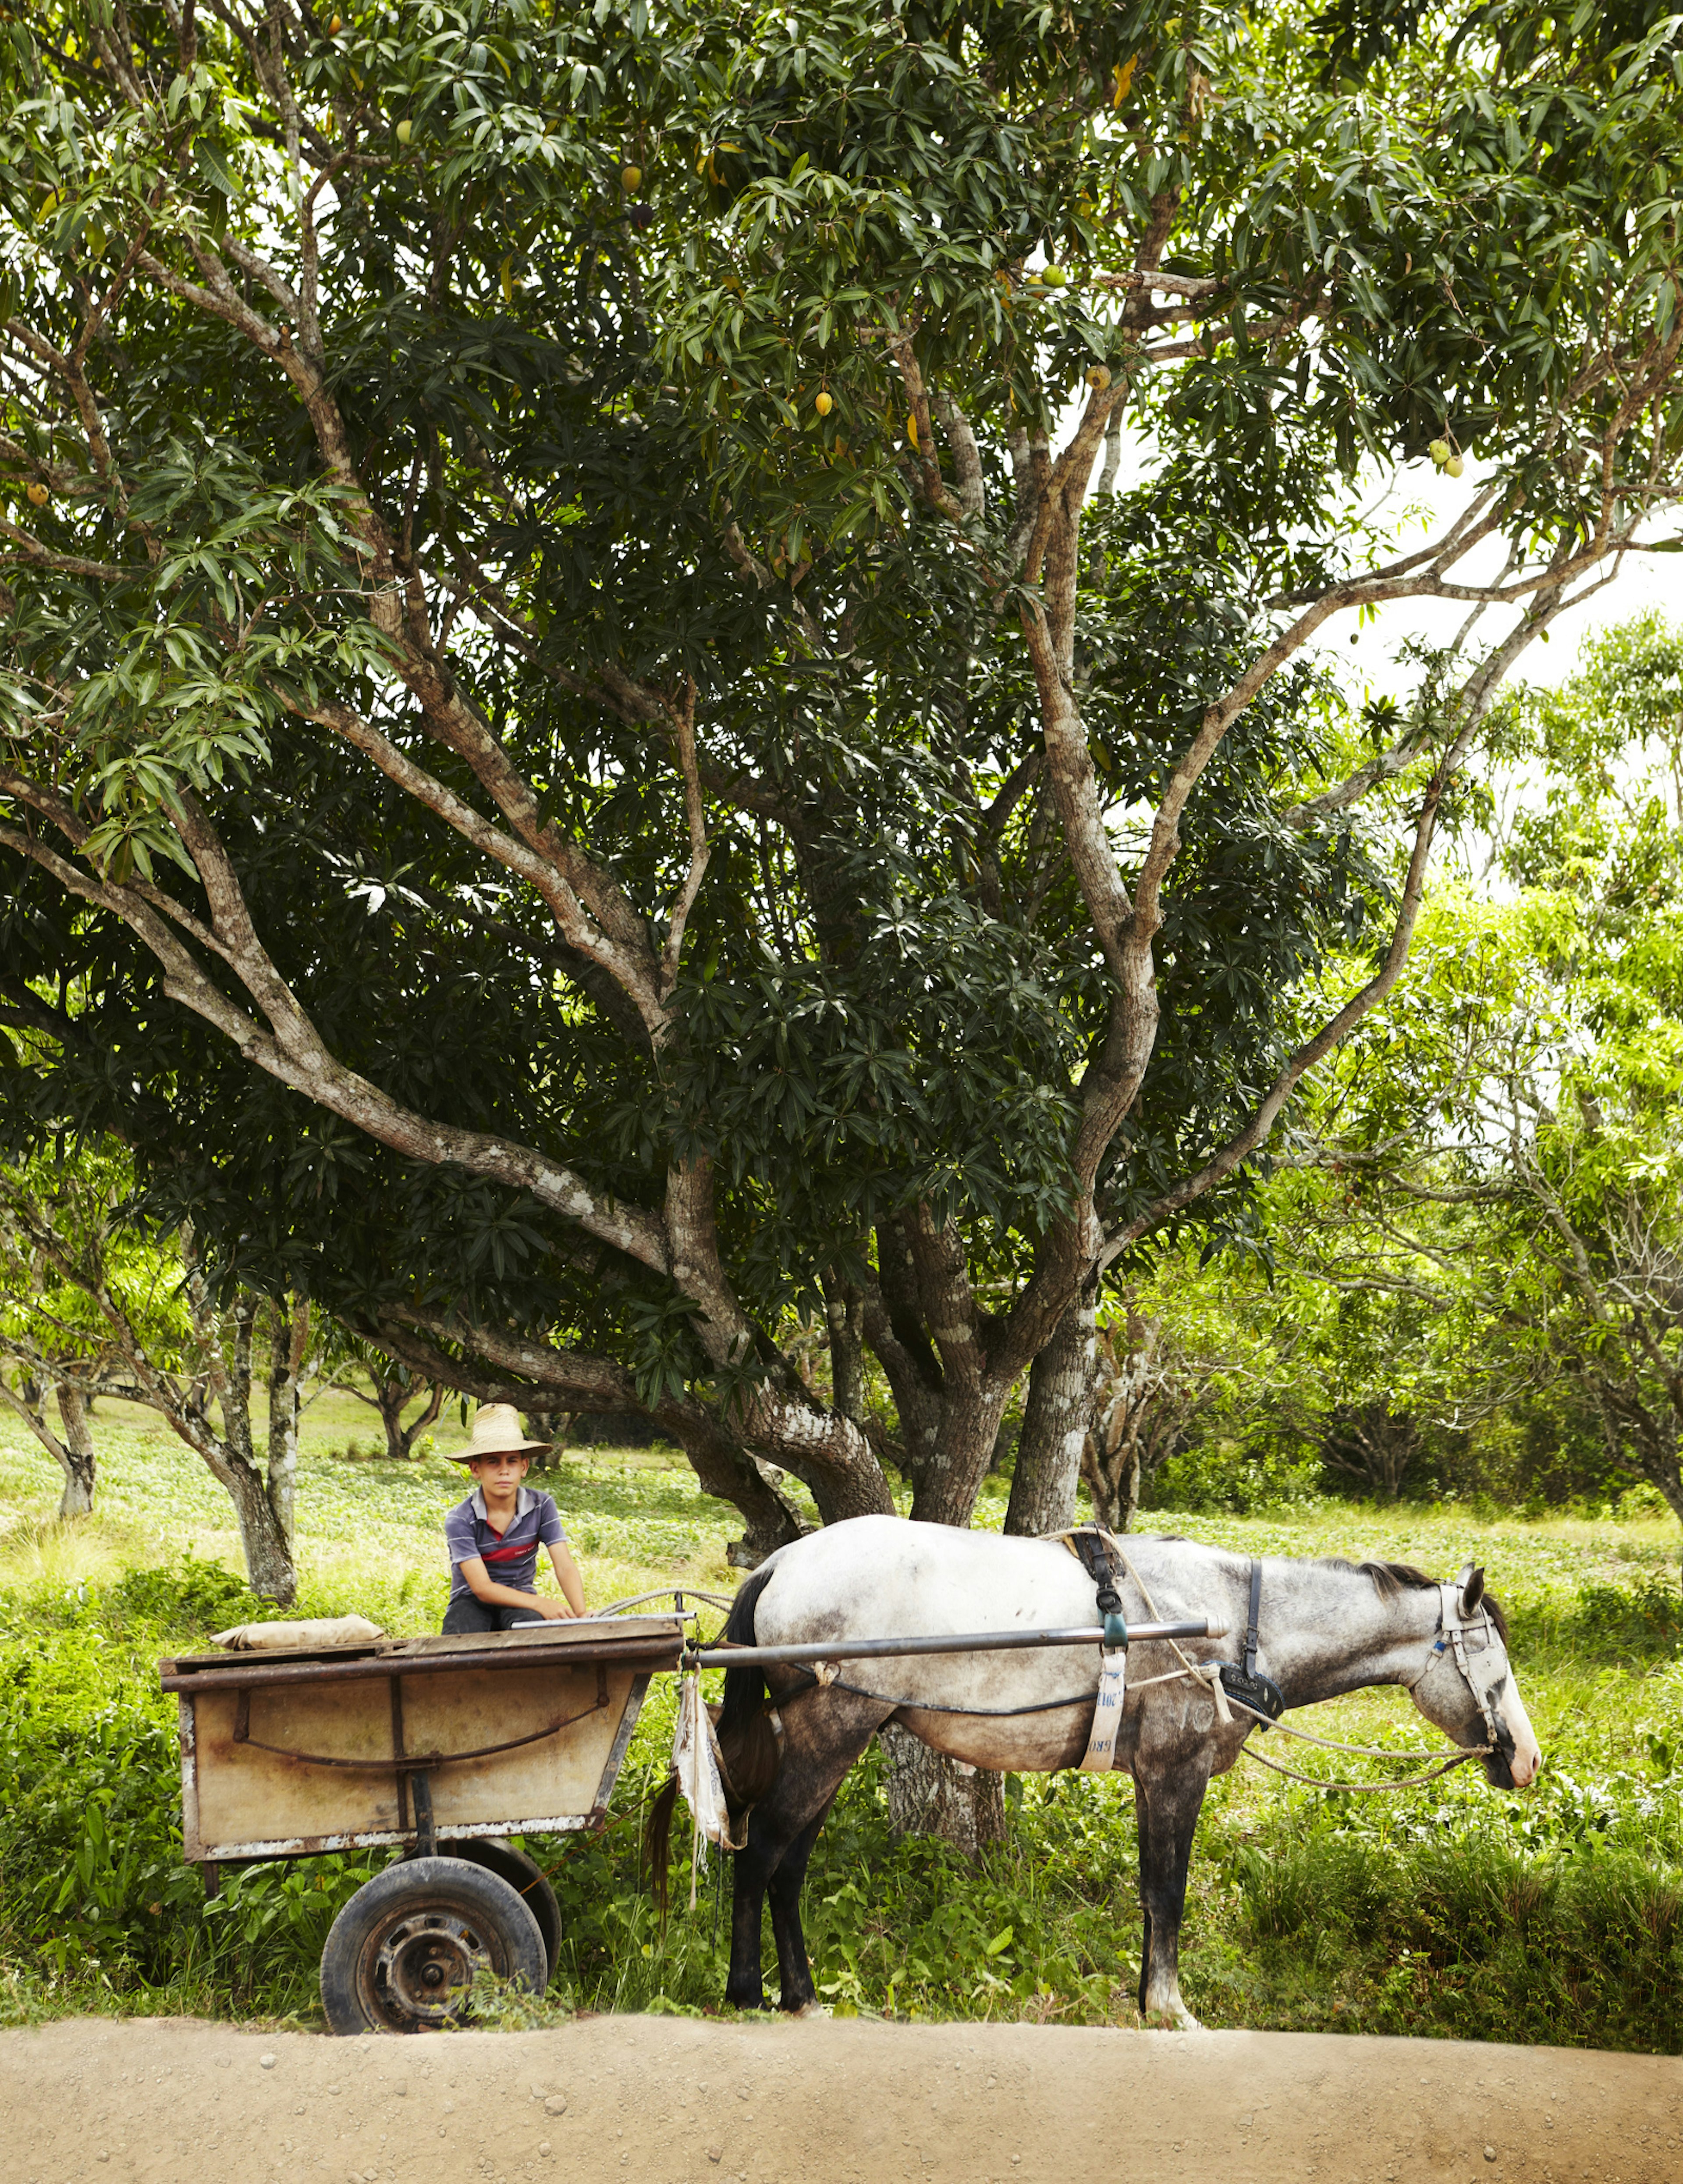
x: 501, y: 1472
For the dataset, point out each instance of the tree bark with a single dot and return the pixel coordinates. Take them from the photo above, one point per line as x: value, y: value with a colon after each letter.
x: 844, y: 1308
x: 1056, y: 1419
x: 77, y: 1452
x: 288, y: 1339
x: 1112, y: 1488
x: 269, y: 1566
x: 894, y: 1324
x: 946, y: 1485
x: 930, y: 1795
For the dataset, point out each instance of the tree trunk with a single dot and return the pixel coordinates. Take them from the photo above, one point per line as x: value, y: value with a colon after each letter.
x: 390, y: 1395
x: 844, y: 1311
x: 1056, y: 1422
x: 288, y: 1339
x: 1114, y: 1489
x: 268, y: 1550
x: 552, y: 1426
x: 76, y: 1454
x: 724, y: 1468
x: 1640, y: 1439
x: 930, y: 1795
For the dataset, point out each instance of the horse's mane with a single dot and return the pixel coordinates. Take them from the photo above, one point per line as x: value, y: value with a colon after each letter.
x: 1391, y: 1579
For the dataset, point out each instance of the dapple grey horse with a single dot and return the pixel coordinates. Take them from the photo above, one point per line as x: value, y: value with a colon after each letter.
x: 1326, y: 1627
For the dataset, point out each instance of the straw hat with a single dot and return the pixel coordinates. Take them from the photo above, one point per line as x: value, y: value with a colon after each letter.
x: 496, y: 1432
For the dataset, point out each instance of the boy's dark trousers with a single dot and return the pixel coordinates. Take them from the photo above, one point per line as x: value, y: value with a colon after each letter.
x: 466, y: 1615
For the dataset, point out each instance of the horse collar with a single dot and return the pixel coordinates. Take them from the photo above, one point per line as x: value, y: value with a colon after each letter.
x: 1259, y: 1693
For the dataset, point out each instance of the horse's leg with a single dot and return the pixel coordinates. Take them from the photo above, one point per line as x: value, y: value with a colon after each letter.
x: 793, y: 1970
x: 823, y: 1735
x: 1168, y: 1806
x: 752, y: 1868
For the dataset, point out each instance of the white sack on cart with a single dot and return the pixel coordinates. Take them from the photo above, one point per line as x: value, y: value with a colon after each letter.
x: 311, y: 1636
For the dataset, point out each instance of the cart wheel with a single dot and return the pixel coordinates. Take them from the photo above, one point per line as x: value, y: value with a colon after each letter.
x: 405, y: 1953
x: 525, y: 1877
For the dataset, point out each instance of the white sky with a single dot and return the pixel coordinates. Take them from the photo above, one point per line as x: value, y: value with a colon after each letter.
x: 1645, y: 580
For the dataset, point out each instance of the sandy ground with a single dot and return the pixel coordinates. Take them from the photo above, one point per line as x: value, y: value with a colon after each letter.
x: 673, y: 2100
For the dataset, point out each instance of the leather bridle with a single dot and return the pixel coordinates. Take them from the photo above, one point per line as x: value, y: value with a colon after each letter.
x: 1472, y: 1642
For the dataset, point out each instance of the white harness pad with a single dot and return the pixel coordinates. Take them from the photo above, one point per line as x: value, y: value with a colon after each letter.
x: 1100, y: 1755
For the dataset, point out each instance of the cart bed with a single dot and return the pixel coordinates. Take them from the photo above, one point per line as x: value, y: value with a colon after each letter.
x: 410, y: 1742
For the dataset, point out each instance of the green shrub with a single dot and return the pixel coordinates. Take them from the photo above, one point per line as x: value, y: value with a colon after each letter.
x: 187, y: 1596
x: 1604, y: 1622
x: 1229, y: 1475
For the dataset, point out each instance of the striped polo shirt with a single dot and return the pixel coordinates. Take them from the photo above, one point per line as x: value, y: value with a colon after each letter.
x: 510, y: 1560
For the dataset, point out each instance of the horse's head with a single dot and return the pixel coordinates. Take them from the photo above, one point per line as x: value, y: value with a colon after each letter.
x: 1467, y: 1687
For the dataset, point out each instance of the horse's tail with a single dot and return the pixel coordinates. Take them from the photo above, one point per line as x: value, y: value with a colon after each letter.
x: 747, y: 1744
x: 657, y: 1843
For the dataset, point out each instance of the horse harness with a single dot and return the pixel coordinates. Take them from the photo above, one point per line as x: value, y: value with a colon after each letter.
x: 1257, y: 1694
x: 1243, y: 1682
x: 1091, y: 1549
x: 1466, y: 1639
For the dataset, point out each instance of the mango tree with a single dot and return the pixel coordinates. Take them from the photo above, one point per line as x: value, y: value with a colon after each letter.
x: 660, y: 676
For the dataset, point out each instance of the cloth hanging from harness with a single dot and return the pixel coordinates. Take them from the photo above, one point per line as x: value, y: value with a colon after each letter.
x: 1244, y: 1683
x: 1091, y: 1550
x: 700, y: 1772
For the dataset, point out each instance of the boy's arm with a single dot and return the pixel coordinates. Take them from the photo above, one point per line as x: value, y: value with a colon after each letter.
x: 483, y: 1586
x: 567, y: 1575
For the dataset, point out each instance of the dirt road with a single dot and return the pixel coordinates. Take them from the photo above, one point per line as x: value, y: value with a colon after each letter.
x: 650, y: 2100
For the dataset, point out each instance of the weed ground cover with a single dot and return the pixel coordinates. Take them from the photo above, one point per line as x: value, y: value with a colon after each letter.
x: 1555, y: 1916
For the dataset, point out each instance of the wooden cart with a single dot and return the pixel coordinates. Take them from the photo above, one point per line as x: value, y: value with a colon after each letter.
x: 425, y: 1742
x: 439, y: 1746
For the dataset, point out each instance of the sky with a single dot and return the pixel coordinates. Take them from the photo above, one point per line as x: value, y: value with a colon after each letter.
x: 1646, y: 581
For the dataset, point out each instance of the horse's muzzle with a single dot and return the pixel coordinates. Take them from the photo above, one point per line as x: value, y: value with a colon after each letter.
x: 1507, y: 1768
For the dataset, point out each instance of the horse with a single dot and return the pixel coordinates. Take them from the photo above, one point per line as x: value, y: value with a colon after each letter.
x: 787, y: 1737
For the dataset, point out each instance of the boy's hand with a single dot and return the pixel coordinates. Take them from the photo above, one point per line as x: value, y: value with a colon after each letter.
x: 553, y: 1611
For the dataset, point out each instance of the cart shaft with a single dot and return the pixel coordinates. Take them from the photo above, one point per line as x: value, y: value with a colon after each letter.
x: 975, y: 1642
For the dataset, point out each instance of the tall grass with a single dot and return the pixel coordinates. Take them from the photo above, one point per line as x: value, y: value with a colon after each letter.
x: 1553, y: 1916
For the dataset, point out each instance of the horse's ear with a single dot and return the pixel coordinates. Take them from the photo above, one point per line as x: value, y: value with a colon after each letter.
x: 1472, y: 1589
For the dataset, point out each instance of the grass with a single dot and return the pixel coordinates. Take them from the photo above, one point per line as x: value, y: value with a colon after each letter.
x: 1452, y: 1911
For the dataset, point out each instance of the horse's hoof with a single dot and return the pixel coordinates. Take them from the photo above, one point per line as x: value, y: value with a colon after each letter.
x: 813, y: 2008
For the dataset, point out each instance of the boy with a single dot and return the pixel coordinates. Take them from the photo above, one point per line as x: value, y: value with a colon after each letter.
x: 494, y: 1535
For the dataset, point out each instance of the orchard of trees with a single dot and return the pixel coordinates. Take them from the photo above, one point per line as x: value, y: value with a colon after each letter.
x: 667, y: 741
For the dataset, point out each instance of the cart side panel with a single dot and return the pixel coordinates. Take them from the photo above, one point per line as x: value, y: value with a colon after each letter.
x: 558, y: 1774
x: 192, y: 1846
x: 247, y: 1796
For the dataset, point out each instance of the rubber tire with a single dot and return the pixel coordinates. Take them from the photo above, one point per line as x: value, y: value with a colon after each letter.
x: 525, y: 1877
x: 502, y: 1926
